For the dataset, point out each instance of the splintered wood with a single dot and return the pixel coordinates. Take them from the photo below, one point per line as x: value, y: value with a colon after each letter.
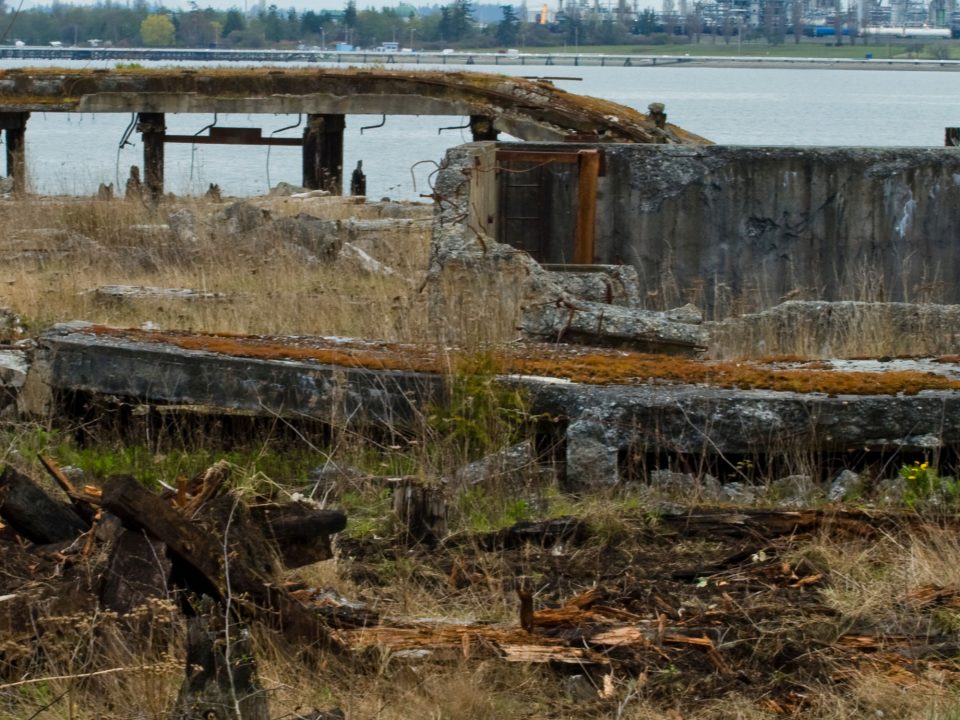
x: 580, y: 632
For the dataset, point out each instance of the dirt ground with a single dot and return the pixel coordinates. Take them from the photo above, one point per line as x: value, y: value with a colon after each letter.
x: 720, y: 612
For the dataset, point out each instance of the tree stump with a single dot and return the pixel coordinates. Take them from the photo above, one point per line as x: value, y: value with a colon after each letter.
x: 221, y: 673
x: 421, y: 510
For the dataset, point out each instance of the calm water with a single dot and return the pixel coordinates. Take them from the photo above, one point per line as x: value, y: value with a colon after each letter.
x: 75, y: 153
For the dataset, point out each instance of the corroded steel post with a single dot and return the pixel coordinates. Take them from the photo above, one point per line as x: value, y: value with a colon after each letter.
x: 153, y: 128
x: 323, y: 153
x: 15, y: 123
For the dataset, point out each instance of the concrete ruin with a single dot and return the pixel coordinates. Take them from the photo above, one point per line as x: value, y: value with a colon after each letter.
x: 729, y: 229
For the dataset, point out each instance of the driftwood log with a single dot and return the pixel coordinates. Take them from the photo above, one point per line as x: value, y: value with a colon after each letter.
x: 33, y: 513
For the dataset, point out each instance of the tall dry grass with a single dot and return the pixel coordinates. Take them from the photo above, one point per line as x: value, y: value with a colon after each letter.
x: 57, y: 252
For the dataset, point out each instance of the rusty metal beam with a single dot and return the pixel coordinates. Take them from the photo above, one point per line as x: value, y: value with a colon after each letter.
x: 586, y: 230
x: 223, y: 138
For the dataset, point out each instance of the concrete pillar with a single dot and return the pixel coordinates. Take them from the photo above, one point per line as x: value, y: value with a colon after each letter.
x: 482, y: 128
x: 153, y: 128
x: 15, y: 124
x: 323, y: 153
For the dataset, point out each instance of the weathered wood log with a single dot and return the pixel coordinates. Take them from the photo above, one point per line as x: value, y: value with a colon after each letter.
x: 251, y: 588
x: 221, y: 673
x: 764, y: 523
x: 300, y: 532
x: 544, y: 533
x: 34, y: 514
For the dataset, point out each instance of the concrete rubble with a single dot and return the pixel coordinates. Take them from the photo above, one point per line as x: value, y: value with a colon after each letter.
x: 472, y: 278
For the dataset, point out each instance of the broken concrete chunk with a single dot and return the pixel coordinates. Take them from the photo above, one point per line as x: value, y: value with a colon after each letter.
x: 322, y: 238
x: 242, y: 217
x: 609, y: 284
x: 285, y: 189
x: 845, y: 484
x: 611, y: 325
x: 592, y: 459
x: 183, y: 225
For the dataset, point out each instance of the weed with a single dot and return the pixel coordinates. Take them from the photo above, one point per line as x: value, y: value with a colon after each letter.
x: 480, y: 414
x: 924, y: 485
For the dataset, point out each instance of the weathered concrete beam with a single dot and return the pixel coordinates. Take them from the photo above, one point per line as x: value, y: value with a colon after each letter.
x: 72, y: 357
x: 527, y: 109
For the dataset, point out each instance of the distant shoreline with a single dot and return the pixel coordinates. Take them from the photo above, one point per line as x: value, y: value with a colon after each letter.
x: 464, y: 58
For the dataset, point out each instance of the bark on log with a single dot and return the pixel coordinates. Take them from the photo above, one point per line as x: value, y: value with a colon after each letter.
x: 34, y: 514
x: 138, y: 569
x: 252, y: 588
x: 301, y: 533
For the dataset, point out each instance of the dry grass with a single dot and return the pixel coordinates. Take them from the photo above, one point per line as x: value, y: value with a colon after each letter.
x: 58, y: 251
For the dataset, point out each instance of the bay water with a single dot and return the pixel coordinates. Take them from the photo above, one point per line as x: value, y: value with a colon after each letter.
x: 72, y: 153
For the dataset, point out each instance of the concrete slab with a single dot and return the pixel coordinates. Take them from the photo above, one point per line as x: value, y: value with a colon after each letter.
x: 355, y: 383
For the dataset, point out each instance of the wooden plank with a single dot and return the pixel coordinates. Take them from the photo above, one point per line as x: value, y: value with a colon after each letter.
x: 586, y: 229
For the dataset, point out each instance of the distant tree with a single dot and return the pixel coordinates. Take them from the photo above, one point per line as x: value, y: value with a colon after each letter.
x: 157, y: 30
x: 508, y: 28
x: 233, y: 22
x: 195, y: 28
x: 350, y: 14
x: 311, y: 23
x: 646, y: 22
x: 272, y: 25
x: 461, y: 19
x: 796, y: 19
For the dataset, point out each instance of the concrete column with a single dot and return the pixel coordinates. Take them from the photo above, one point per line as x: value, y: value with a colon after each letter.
x: 323, y: 153
x: 482, y: 128
x: 15, y: 124
x: 153, y: 128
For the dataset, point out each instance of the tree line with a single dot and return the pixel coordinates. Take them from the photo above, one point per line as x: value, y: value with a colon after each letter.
x: 455, y: 24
